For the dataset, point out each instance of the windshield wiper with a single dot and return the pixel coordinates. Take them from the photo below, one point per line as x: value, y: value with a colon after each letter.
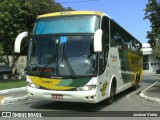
x: 52, y: 59
x: 64, y: 56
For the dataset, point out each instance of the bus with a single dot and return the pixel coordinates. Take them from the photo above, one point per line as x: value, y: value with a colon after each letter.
x: 80, y: 56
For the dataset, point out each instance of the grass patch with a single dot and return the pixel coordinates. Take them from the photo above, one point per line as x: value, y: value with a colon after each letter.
x: 12, y: 83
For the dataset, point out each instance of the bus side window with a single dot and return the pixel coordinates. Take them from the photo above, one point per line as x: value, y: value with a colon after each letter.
x: 103, y: 57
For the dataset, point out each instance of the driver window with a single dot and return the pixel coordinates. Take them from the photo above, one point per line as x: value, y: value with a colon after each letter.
x: 103, y: 58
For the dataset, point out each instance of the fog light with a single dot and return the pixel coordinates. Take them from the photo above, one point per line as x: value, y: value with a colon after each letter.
x: 92, y: 97
x: 87, y: 97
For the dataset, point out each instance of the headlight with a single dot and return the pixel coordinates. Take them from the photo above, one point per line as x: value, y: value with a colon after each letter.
x: 33, y: 85
x: 86, y: 88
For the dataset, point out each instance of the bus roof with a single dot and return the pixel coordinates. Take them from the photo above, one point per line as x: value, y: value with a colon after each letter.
x: 65, y: 13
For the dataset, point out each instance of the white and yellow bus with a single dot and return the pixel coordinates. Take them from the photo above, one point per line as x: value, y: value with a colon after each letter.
x: 80, y: 56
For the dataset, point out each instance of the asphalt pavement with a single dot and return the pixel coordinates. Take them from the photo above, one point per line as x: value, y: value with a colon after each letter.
x: 151, y: 93
x: 10, y: 96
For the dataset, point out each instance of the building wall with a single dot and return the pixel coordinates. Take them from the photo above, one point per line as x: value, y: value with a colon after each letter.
x: 150, y: 65
x: 20, y: 65
x: 153, y: 64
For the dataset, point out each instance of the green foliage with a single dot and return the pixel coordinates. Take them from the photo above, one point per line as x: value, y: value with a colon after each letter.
x: 1, y: 51
x: 152, y: 13
x: 17, y: 16
x: 11, y: 20
x: 156, y: 48
x: 13, y: 14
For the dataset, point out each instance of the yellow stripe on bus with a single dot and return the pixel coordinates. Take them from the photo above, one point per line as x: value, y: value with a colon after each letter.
x: 71, y: 13
x: 49, y: 83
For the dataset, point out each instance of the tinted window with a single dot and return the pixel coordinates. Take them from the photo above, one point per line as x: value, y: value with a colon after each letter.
x: 67, y: 24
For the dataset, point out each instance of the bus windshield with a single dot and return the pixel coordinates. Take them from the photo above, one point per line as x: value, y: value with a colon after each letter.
x: 67, y: 24
x: 57, y: 55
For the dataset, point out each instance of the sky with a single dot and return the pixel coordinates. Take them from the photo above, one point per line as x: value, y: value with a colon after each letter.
x: 128, y: 13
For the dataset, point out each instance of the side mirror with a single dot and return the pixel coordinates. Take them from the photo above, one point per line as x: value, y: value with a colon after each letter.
x: 98, y: 41
x: 18, y: 41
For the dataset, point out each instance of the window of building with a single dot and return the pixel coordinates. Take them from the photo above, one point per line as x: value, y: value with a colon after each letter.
x: 146, y: 62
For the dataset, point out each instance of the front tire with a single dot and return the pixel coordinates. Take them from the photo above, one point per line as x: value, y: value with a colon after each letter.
x: 110, y: 100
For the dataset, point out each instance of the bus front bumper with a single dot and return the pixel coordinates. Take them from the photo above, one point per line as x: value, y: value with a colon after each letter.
x: 67, y: 96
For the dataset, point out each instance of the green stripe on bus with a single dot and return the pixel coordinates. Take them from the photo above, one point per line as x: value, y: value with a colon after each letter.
x: 80, y: 82
x: 74, y: 82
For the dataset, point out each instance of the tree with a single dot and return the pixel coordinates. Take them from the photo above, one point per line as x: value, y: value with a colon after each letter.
x: 17, y: 16
x: 156, y: 52
x: 13, y: 14
x: 38, y: 7
x: 152, y: 12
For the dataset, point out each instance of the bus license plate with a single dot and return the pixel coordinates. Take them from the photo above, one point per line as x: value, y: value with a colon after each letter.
x: 56, y: 96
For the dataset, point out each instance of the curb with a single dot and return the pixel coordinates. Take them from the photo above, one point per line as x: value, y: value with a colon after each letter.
x: 10, y: 99
x: 151, y: 99
x: 12, y: 90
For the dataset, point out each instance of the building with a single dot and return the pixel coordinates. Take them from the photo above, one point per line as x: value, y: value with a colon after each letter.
x: 150, y: 63
x: 20, y: 65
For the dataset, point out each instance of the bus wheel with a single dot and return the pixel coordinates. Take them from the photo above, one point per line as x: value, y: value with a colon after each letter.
x: 110, y: 100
